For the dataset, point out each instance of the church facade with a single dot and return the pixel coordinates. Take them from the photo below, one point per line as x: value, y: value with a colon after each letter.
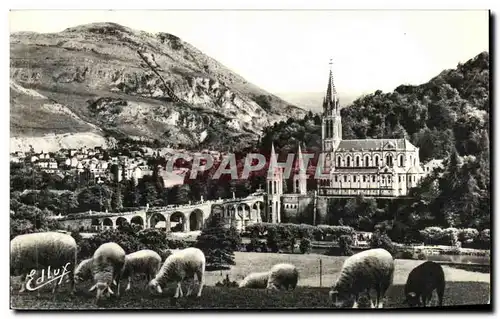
x: 368, y: 167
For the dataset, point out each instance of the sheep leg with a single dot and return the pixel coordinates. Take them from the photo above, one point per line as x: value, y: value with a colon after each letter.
x: 201, y: 281
x: 23, y: 282
x: 190, y: 285
x: 128, y: 283
x: 178, y: 290
x: 118, y: 278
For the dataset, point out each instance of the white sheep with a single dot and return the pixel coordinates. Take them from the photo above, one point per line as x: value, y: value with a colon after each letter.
x: 181, y: 265
x: 362, y: 272
x: 83, y: 271
x: 38, y: 251
x: 255, y: 280
x: 283, y: 276
x: 141, y: 262
x: 107, y: 266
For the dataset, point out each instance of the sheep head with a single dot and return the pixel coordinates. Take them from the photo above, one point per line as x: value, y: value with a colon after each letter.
x: 103, y: 290
x: 341, y: 299
x: 154, y: 286
x: 412, y: 299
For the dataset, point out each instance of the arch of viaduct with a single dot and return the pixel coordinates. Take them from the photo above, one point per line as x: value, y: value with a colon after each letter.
x: 235, y: 212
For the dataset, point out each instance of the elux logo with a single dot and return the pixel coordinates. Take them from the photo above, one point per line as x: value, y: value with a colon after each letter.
x: 48, y: 275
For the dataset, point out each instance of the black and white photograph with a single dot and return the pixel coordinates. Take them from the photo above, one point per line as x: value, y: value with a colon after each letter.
x: 250, y: 159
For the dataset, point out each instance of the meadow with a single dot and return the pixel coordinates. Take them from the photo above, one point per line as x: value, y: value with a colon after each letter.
x: 463, y: 288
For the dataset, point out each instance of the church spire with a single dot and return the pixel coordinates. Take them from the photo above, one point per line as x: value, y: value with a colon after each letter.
x: 330, y: 101
x: 301, y: 161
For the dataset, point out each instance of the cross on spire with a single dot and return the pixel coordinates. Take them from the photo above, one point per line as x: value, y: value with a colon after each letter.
x: 330, y: 90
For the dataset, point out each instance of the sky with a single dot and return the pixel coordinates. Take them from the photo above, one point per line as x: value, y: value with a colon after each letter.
x: 289, y: 51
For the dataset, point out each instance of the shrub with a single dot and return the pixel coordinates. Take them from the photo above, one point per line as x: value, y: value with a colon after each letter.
x: 254, y: 245
x: 484, y: 239
x: 153, y: 239
x: 226, y: 282
x: 345, y: 242
x: 128, y: 242
x: 218, y: 243
x: 305, y: 245
x: 173, y: 243
x: 406, y: 254
x: 467, y: 234
x: 381, y: 240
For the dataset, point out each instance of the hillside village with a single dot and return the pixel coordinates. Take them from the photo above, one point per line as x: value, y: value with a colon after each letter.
x: 100, y: 166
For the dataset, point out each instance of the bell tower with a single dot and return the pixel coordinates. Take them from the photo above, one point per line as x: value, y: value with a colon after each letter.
x: 331, y: 126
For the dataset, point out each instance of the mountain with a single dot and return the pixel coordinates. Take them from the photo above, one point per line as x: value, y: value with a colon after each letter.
x: 100, y: 83
x: 313, y: 101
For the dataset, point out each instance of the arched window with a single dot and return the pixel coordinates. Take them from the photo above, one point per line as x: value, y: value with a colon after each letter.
x: 339, y: 161
x: 348, y: 161
x: 376, y: 160
x: 357, y: 161
x: 388, y: 160
x: 367, y: 160
x: 401, y: 160
x: 354, y: 178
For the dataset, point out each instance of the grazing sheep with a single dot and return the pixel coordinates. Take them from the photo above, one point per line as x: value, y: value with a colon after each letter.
x: 422, y: 281
x: 179, y: 266
x: 141, y: 262
x: 283, y: 276
x: 362, y: 272
x: 255, y: 280
x: 364, y: 301
x: 38, y: 251
x: 107, y: 266
x: 83, y: 271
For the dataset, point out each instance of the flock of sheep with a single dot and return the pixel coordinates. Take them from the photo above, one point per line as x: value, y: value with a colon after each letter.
x: 361, y: 273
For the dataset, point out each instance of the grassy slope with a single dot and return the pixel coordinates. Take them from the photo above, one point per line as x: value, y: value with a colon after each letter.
x: 463, y: 287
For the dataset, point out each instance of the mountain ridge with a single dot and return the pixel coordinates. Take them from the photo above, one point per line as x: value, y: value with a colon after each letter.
x: 125, y: 83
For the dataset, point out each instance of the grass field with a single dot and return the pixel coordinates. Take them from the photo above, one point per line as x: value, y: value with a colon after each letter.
x: 463, y: 288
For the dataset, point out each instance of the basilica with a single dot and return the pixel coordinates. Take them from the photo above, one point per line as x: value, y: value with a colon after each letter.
x: 382, y: 168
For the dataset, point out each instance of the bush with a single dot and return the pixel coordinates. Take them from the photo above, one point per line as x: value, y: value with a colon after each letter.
x: 226, y: 282
x: 254, y: 245
x: 128, y: 242
x: 381, y: 240
x: 305, y: 245
x: 483, y: 241
x: 343, y: 248
x: 467, y: 234
x: 218, y: 243
x: 406, y: 254
x: 438, y: 236
x: 173, y: 243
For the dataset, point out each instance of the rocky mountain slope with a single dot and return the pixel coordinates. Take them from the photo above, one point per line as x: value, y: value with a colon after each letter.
x: 109, y: 82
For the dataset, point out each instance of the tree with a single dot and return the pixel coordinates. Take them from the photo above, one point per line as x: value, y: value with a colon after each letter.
x: 132, y: 196
x: 183, y: 194
x: 116, y: 199
x: 68, y: 203
x: 218, y: 243
x: 96, y: 198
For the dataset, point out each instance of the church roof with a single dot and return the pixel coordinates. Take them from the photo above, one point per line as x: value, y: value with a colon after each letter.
x: 376, y: 144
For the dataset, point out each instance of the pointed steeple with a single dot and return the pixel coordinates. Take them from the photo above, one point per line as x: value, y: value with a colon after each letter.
x: 273, y: 160
x: 301, y: 162
x: 330, y: 100
x: 273, y: 164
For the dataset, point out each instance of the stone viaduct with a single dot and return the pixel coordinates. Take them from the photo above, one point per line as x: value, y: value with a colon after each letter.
x: 237, y: 212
